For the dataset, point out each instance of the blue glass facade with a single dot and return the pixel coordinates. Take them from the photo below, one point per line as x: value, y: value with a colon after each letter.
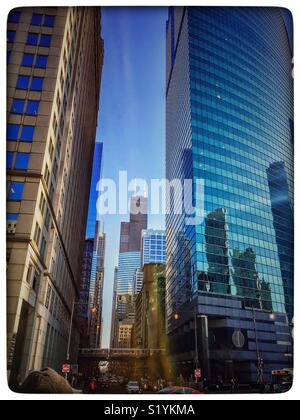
x: 129, y: 262
x: 92, y: 214
x: 229, y: 123
x: 153, y: 246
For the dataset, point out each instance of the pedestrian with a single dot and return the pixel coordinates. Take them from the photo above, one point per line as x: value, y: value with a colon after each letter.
x: 220, y: 384
x: 232, y: 385
x: 236, y: 386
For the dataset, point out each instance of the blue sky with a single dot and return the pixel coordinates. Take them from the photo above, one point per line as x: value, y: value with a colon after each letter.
x: 132, y: 113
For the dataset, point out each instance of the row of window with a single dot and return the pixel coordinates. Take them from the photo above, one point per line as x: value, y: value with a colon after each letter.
x: 31, y: 108
x: 15, y: 191
x: 41, y: 40
x: 20, y: 132
x: 32, y: 60
x: 37, y: 19
x: 17, y: 160
x: 34, y: 83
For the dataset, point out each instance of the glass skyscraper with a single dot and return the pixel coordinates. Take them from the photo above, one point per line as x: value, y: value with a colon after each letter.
x: 129, y: 262
x: 153, y: 246
x: 229, y: 110
x: 96, y: 173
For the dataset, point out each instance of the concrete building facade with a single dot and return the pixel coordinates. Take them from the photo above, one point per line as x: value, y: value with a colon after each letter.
x: 55, y: 60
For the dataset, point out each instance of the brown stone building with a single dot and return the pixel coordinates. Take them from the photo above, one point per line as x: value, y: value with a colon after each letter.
x: 149, y: 324
x: 55, y: 60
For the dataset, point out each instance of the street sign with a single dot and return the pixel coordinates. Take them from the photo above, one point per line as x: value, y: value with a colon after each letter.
x: 66, y: 368
x: 197, y: 373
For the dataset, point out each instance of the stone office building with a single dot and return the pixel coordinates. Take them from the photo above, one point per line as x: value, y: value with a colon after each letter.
x: 55, y: 60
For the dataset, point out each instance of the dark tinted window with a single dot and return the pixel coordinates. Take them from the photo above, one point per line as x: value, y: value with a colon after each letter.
x: 9, y: 159
x: 49, y: 21
x: 23, y: 82
x: 14, y: 16
x: 22, y: 160
x: 12, y: 131
x: 18, y: 106
x: 36, y: 19
x: 11, y: 36
x: 41, y: 61
x: 27, y: 133
x: 16, y: 191
x: 32, y: 38
x: 27, y: 60
x: 32, y: 107
x: 37, y: 83
x: 45, y: 40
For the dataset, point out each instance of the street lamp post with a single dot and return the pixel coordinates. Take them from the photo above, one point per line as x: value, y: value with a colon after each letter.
x: 176, y: 317
x: 70, y: 330
x: 93, y: 311
x: 260, y: 361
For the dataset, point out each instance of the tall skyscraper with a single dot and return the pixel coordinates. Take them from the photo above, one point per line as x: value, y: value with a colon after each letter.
x: 130, y: 240
x: 96, y: 288
x: 129, y: 262
x: 229, y: 109
x: 55, y: 60
x: 283, y: 222
x: 96, y: 174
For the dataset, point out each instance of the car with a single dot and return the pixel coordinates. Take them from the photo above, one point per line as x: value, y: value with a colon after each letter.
x: 179, y: 390
x: 133, y: 387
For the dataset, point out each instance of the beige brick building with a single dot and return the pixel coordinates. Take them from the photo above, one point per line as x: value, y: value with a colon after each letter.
x: 55, y: 58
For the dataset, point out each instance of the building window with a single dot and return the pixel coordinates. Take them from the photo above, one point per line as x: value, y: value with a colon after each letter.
x: 37, y: 83
x: 43, y: 247
x: 15, y: 192
x: 47, y: 175
x: 45, y: 20
x: 55, y: 126
x: 45, y: 40
x: 18, y: 106
x: 29, y: 274
x: 27, y: 133
x: 11, y: 36
x: 48, y: 296
x: 42, y: 203
x: 8, y: 54
x: 22, y: 161
x: 14, y: 16
x: 36, y: 19
x: 9, y: 160
x: 41, y: 61
x: 51, y: 149
x: 47, y: 219
x: 32, y: 38
x: 23, y: 82
x: 36, y: 280
x: 32, y: 107
x: 49, y: 21
x: 37, y: 234
x: 12, y: 131
x: 27, y: 60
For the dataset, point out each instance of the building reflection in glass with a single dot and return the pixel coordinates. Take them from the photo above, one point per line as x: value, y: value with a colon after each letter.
x: 218, y: 276
x: 284, y: 228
